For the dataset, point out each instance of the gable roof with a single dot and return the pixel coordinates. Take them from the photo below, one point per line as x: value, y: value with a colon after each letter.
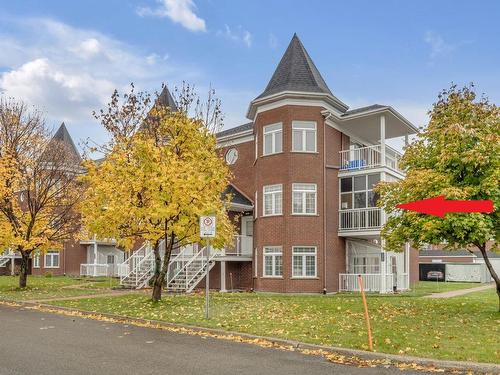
x: 296, y: 72
x: 63, y: 136
x: 235, y: 130
x: 166, y: 99
x: 236, y: 196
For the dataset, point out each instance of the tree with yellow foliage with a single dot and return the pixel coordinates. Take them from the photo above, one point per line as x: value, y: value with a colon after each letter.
x: 38, y: 185
x: 161, y: 172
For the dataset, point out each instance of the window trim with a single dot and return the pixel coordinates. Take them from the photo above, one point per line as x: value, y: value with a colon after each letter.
x: 273, y: 264
x: 303, y: 213
x: 273, y: 137
x: 304, y: 137
x: 52, y: 254
x: 304, y: 276
x: 273, y: 201
x: 352, y: 192
x: 36, y: 261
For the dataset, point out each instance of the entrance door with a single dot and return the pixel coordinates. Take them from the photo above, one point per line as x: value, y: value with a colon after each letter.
x: 247, y: 226
x: 246, y: 241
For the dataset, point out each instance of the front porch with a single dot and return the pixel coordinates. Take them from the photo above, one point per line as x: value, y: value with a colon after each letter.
x: 103, y: 258
x: 381, y: 271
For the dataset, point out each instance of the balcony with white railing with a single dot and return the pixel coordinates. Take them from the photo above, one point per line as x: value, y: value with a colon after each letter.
x: 373, y: 282
x: 241, y: 247
x: 370, y: 157
x: 360, y: 219
x: 96, y: 270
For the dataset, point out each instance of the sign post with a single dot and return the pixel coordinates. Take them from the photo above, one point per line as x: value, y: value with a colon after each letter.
x: 207, y: 230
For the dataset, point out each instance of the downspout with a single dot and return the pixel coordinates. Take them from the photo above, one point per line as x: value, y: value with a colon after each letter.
x: 324, y: 208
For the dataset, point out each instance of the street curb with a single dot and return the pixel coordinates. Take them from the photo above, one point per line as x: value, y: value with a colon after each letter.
x: 447, y: 365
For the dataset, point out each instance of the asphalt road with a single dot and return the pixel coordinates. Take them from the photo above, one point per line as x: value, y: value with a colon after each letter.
x: 33, y: 342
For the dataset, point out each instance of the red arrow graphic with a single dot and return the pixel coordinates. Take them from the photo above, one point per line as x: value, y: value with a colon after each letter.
x: 439, y: 206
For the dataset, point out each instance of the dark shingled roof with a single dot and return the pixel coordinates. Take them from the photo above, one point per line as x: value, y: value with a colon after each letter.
x: 460, y: 253
x: 166, y: 99
x: 237, y: 197
x: 235, y: 130
x: 296, y: 72
x: 363, y: 109
x: 62, y: 135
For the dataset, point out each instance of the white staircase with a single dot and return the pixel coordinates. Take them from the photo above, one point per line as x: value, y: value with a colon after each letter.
x: 189, y: 271
x: 187, y: 267
x: 138, y: 269
x: 4, y: 259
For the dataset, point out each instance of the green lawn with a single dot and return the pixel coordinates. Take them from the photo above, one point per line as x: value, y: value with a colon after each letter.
x: 460, y: 328
x: 40, y: 287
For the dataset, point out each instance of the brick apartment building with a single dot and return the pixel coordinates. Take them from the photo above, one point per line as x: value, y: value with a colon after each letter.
x: 304, y: 168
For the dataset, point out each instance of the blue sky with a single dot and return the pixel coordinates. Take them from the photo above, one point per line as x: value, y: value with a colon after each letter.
x: 67, y: 56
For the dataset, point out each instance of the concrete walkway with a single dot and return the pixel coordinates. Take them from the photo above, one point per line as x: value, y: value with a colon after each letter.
x: 460, y: 292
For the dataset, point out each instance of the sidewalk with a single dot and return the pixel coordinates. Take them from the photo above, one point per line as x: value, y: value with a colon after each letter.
x: 460, y: 292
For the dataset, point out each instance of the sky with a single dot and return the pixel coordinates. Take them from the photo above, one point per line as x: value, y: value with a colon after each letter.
x: 67, y: 57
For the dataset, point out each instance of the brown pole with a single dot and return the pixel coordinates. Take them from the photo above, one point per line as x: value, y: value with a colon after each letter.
x: 367, y: 317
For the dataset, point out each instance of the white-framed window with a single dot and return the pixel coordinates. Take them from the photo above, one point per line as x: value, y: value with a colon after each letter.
x: 256, y: 265
x: 304, y: 199
x: 304, y: 137
x: 273, y: 261
x: 273, y: 200
x: 304, y: 261
x: 110, y: 259
x: 51, y: 259
x: 36, y: 260
x: 273, y: 139
x: 256, y: 140
x: 357, y: 191
x: 255, y: 213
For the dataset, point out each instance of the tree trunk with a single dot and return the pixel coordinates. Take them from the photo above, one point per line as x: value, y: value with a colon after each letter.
x: 157, y: 283
x: 159, y: 279
x: 482, y: 248
x: 23, y: 274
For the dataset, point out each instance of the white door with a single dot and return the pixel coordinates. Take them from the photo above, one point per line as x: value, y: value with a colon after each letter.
x: 246, y: 241
x: 247, y: 226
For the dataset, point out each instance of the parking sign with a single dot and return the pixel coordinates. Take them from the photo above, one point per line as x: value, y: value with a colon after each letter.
x: 207, y: 226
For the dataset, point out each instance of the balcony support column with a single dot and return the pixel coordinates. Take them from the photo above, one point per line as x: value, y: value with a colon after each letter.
x: 223, y: 276
x: 95, y: 256
x: 383, y: 267
x: 382, y: 140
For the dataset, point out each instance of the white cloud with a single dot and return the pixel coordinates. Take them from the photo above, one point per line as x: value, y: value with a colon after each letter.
x: 437, y: 44
x: 238, y: 35
x: 179, y: 11
x: 69, y: 72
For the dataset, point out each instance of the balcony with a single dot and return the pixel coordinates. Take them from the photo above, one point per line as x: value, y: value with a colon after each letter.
x: 370, y: 157
x: 360, y: 219
x: 373, y: 282
x: 241, y: 247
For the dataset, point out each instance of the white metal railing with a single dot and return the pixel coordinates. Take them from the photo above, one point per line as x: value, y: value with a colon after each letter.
x: 360, y: 219
x: 372, y: 282
x: 241, y: 246
x: 185, y: 266
x: 95, y: 270
x: 369, y: 157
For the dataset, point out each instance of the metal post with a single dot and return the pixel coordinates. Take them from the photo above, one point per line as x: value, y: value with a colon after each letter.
x: 207, y: 282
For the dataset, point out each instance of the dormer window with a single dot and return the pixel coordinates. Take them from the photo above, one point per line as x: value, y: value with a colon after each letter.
x: 273, y: 139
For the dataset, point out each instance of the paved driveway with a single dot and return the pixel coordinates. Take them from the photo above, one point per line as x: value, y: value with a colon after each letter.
x: 32, y: 342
